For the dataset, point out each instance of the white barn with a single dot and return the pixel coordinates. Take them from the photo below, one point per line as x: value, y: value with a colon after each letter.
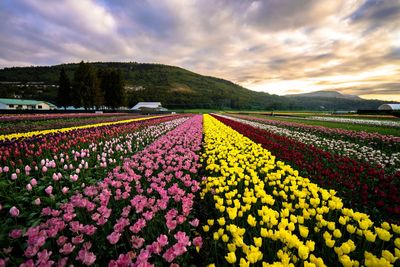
x: 149, y: 106
x: 389, y: 107
x: 16, y: 104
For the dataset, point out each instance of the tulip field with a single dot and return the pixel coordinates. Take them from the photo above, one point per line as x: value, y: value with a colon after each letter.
x: 195, y: 190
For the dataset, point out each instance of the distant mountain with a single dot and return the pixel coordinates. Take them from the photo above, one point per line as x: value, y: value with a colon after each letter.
x: 174, y: 87
x: 332, y: 100
x: 328, y: 94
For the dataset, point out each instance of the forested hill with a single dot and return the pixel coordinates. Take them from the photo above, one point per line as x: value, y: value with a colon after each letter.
x: 173, y: 86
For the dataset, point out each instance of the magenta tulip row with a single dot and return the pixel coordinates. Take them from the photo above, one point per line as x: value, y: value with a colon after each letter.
x: 140, y: 213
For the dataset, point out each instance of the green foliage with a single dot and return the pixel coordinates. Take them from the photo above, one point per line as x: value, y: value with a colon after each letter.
x: 64, y: 90
x: 86, y: 90
x: 112, y: 85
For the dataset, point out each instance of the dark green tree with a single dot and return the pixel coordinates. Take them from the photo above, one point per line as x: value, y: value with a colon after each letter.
x: 86, y: 88
x: 112, y: 86
x: 64, y: 90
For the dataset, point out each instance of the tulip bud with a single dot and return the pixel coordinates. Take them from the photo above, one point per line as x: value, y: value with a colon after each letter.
x: 29, y: 187
x: 37, y: 201
x: 49, y: 190
x: 14, y: 212
x: 33, y: 182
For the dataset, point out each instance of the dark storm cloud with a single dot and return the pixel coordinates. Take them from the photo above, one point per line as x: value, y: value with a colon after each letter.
x: 377, y: 11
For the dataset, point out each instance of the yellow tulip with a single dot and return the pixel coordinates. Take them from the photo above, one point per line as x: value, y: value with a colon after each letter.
x: 243, y: 263
x: 337, y: 233
x: 310, y: 244
x: 397, y: 242
x: 257, y: 241
x: 251, y: 220
x: 386, y: 226
x: 303, y: 231
x: 303, y: 252
x: 350, y: 228
x: 221, y: 221
x: 231, y: 257
x: 225, y: 238
x: 330, y: 243
x: 231, y: 247
x: 383, y: 234
x: 369, y: 236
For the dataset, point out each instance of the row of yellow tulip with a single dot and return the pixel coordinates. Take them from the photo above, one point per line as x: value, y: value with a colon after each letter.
x: 266, y: 214
x: 16, y: 136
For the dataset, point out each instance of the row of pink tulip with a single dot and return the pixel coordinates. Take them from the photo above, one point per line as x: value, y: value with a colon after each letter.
x: 53, y: 179
x: 141, y: 213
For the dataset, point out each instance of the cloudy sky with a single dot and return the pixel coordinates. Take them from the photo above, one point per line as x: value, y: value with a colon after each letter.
x: 276, y: 46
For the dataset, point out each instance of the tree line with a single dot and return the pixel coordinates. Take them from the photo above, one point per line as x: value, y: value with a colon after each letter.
x: 91, y: 88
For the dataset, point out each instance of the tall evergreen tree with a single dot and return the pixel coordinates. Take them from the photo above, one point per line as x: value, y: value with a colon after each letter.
x: 78, y: 85
x: 64, y: 90
x: 112, y: 85
x: 86, y: 89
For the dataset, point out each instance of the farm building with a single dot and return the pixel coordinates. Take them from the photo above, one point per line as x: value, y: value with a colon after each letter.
x: 11, y: 104
x: 154, y: 106
x: 389, y: 107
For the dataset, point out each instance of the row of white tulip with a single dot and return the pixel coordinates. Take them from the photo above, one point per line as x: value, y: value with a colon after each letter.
x: 344, y: 148
x: 356, y: 121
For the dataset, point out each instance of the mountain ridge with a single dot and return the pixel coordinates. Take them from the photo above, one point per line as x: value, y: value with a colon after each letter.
x: 174, y: 86
x: 326, y: 93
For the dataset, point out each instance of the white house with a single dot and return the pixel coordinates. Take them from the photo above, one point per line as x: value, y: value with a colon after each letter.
x: 9, y: 103
x: 389, y: 107
x: 149, y: 106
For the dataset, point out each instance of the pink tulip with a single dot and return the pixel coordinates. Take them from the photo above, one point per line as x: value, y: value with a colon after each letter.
x: 37, y: 202
x: 14, y: 176
x: 16, y: 233
x: 49, y: 190
x: 73, y: 177
x: 6, y: 169
x: 198, y: 241
x: 113, y: 238
x: 64, y: 190
x: 44, y: 169
x: 86, y: 257
x: 67, y: 248
x: 55, y: 177
x: 14, y: 211
x: 33, y: 182
x: 29, y: 187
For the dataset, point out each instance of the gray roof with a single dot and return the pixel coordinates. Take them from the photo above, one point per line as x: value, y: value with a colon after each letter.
x: 389, y: 107
x: 147, y: 105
